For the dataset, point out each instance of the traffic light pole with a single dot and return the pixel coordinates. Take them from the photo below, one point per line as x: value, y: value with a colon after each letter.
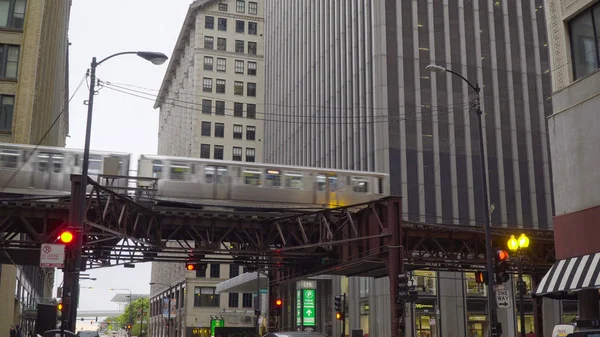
x: 344, y: 315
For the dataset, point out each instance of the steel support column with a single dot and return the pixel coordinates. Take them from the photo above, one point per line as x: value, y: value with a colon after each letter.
x: 395, y: 264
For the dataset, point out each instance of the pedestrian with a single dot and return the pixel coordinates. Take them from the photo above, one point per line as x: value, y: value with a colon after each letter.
x: 18, y: 334
x: 13, y: 332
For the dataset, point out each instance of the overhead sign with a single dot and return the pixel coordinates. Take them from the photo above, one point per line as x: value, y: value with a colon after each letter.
x: 308, y: 307
x: 299, y: 307
x: 503, y: 299
x: 52, y: 255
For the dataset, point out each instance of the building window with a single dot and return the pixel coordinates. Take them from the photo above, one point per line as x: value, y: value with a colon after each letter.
x: 208, y: 42
x: 250, y: 132
x: 205, y: 129
x: 208, y: 63
x: 12, y: 13
x: 239, y: 26
x: 240, y: 6
x: 474, y: 288
x: 250, y: 154
x: 238, y: 109
x: 252, y: 48
x: 252, y: 8
x: 237, y: 153
x: 251, y: 89
x: 251, y: 111
x: 247, y: 300
x: 239, y: 46
x: 207, y: 85
x: 201, y: 272
x: 221, y: 64
x: 206, y: 106
x: 209, y: 22
x: 239, y: 66
x: 222, y: 43
x: 251, y: 68
x: 223, y: 7
x: 219, y: 130
x: 220, y: 108
x: 220, y: 86
x: 237, y: 132
x: 205, y: 151
x: 205, y: 297
x: 234, y: 299
x: 252, y: 28
x: 6, y: 114
x: 238, y: 88
x: 223, y: 24
x: 234, y: 270
x: 9, y: 58
x: 585, y: 34
x: 215, y: 270
x: 219, y: 152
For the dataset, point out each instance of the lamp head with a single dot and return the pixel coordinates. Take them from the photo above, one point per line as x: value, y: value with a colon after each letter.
x: 154, y: 57
x: 513, y: 244
x: 435, y: 68
x: 523, y: 241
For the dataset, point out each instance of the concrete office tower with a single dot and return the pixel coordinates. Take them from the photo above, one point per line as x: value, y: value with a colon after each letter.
x: 346, y: 87
x: 214, y: 84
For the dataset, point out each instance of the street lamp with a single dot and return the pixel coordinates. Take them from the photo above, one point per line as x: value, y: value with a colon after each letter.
x: 518, y: 246
x: 486, y: 211
x: 130, y: 307
x: 155, y: 58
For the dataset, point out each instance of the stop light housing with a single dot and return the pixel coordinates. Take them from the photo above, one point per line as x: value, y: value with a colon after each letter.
x: 190, y: 266
x: 278, y: 306
x: 339, y: 315
x: 402, y: 287
x: 65, y: 237
x: 481, y: 277
x: 338, y: 303
x: 501, y: 262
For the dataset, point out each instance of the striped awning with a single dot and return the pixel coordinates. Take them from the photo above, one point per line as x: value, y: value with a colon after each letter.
x: 570, y: 275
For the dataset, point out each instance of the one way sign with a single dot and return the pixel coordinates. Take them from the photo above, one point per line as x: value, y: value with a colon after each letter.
x: 503, y: 299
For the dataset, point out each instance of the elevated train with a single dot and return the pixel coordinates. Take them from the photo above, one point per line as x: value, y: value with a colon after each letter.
x: 190, y: 180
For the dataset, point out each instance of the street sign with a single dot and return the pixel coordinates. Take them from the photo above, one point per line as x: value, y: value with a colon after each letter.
x: 499, y: 286
x: 52, y: 255
x: 308, y: 307
x: 264, y: 291
x: 216, y: 323
x: 299, y: 307
x: 503, y: 299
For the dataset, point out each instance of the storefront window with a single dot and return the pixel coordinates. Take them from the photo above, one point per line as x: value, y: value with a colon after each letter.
x: 425, y: 318
x: 425, y: 281
x: 529, y: 324
x: 472, y: 287
x: 568, y: 312
x: 477, y: 326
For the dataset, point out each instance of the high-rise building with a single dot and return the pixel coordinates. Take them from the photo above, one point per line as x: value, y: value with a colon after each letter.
x: 214, y: 84
x: 347, y: 87
x: 33, y: 94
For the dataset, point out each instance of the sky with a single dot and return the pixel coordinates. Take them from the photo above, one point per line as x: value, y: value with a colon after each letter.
x: 121, y: 122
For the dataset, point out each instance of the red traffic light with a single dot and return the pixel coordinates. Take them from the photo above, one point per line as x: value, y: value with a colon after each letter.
x: 278, y: 302
x: 190, y: 266
x: 502, y: 255
x: 479, y: 277
x: 66, y: 237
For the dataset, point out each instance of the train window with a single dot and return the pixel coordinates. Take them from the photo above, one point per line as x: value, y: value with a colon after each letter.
x: 222, y: 174
x: 43, y: 161
x: 209, y: 174
x: 157, y: 168
x: 57, y: 161
x: 179, y: 171
x: 9, y: 158
x: 360, y: 185
x: 273, y: 178
x: 322, y: 182
x: 95, y: 164
x: 251, y: 177
x: 293, y: 180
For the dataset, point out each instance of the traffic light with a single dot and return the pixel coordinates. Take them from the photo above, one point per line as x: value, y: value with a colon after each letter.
x: 195, y: 266
x: 502, y: 266
x: 402, y: 287
x: 278, y: 305
x: 128, y: 326
x: 190, y: 266
x: 339, y: 308
x: 59, y: 306
x: 65, y: 237
x: 339, y: 316
x: 481, y: 277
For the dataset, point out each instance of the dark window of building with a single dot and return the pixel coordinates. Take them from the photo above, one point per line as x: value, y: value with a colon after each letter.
x: 237, y: 153
x: 208, y: 63
x: 206, y: 106
x: 251, y: 90
x: 250, y: 132
x: 239, y: 46
x: 251, y: 111
x: 247, y: 300
x: 234, y: 270
x: 238, y: 88
x: 219, y: 130
x: 252, y: 28
x: 239, y: 26
x: 239, y: 66
x: 219, y: 107
x: 205, y: 297
x: 234, y: 299
x: 223, y: 7
x: 205, y: 129
x: 223, y: 24
x: 7, y: 104
x: 208, y: 42
x: 238, y: 109
x: 251, y: 68
x: 252, y: 48
x: 250, y: 155
x: 240, y: 6
x: 222, y: 43
x: 221, y: 64
x: 585, y: 41
x: 207, y: 84
x: 12, y: 13
x: 209, y: 22
x: 9, y: 60
x: 220, y: 86
x: 215, y: 270
x: 219, y: 152
x: 252, y: 8
x: 205, y: 151
x: 237, y: 132
x: 201, y: 272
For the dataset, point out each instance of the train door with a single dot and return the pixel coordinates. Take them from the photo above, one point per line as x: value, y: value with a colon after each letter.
x: 48, y: 171
x: 326, y: 186
x: 218, y: 178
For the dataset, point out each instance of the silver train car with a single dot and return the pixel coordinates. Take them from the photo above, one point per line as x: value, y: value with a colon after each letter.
x: 189, y: 179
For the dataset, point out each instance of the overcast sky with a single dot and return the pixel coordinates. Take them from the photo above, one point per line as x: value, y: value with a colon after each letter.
x: 121, y: 122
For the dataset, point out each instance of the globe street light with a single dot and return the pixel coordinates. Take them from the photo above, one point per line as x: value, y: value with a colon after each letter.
x: 518, y: 246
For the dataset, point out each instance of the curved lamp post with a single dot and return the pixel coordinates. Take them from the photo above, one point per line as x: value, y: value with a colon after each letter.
x: 518, y: 246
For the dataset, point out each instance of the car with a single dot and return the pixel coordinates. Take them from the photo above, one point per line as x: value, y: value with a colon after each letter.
x: 295, y: 334
x: 87, y: 333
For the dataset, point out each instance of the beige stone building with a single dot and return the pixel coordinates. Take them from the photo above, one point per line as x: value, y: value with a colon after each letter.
x: 33, y: 93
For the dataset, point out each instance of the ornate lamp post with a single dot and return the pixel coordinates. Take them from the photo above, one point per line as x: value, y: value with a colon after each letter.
x: 519, y: 246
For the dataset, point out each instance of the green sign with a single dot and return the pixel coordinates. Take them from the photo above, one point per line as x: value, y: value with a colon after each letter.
x: 264, y: 291
x: 308, y: 307
x: 216, y: 323
x: 299, y: 307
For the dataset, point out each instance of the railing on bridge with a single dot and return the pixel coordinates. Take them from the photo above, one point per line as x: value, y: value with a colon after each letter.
x: 98, y: 313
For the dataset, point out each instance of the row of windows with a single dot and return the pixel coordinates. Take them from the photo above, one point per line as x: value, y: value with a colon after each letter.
x: 238, y: 87
x: 219, y: 153
x: 209, y: 43
x: 240, y: 25
x: 240, y: 7
x: 222, y: 65
x: 238, y: 109
x: 220, y: 131
x: 205, y: 297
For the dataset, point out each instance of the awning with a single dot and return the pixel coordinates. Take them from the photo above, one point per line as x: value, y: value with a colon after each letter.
x: 570, y: 275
